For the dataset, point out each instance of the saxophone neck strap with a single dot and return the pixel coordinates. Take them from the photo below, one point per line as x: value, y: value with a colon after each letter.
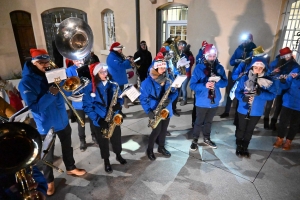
x: 101, y: 97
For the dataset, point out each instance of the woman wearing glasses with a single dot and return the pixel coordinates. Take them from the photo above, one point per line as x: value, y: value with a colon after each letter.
x: 96, y: 101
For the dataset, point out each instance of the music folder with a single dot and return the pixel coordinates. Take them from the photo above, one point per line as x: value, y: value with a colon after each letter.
x: 20, y: 116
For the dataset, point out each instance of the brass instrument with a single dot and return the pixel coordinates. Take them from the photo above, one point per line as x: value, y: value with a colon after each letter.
x: 160, y: 113
x: 20, y: 148
x: 76, y: 95
x: 74, y: 40
x: 112, y: 119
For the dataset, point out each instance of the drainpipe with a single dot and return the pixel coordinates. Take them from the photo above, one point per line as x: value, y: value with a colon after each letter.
x: 138, y: 27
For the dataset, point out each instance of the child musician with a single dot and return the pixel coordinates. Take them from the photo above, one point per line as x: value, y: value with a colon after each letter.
x: 252, y: 92
x: 153, y: 89
x: 96, y: 103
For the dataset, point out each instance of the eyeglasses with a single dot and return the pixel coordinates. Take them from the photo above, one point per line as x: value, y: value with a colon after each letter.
x: 43, y: 63
x: 103, y: 72
x: 143, y: 44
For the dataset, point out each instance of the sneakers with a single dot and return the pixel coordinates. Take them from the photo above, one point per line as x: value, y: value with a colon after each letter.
x: 194, y: 145
x: 82, y: 146
x: 224, y: 115
x: 210, y: 143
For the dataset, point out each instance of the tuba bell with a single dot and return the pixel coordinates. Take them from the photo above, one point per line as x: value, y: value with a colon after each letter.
x: 20, y: 148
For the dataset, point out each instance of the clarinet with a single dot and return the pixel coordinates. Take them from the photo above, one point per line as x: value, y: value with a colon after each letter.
x: 211, y: 92
x: 252, y: 94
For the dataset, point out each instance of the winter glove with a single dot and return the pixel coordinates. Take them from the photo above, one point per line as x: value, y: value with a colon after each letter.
x: 246, y: 99
x: 282, y: 80
x: 166, y: 103
x: 117, y: 107
x: 103, y: 123
x: 151, y: 115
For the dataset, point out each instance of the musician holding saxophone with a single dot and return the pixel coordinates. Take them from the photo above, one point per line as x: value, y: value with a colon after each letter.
x: 253, y: 91
x: 100, y: 100
x: 157, y: 96
x: 207, y: 79
x: 48, y: 110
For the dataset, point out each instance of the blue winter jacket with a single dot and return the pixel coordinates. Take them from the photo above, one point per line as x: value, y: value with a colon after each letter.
x: 239, y: 52
x: 71, y: 71
x: 259, y: 101
x: 151, y: 93
x: 291, y: 98
x: 285, y: 70
x: 94, y: 107
x: 199, y: 80
x: 117, y: 68
x: 47, y: 110
x: 245, y: 67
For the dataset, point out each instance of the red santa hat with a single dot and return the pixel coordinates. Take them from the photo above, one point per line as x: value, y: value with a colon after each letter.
x: 116, y: 46
x: 39, y: 54
x: 162, y: 49
x: 204, y: 43
x: 158, y: 61
x: 210, y: 49
x: 285, y: 52
x: 94, y: 69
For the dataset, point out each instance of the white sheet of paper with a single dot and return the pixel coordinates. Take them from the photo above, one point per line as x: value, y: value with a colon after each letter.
x: 20, y: 116
x: 178, y: 81
x: 214, y: 78
x: 131, y: 92
x: 53, y: 74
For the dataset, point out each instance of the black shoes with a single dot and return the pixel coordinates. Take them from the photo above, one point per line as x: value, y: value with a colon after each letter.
x: 176, y: 113
x: 194, y: 145
x: 239, y: 148
x: 150, y: 154
x: 121, y: 160
x: 168, y: 133
x: 273, y: 124
x: 107, y: 166
x: 266, y: 124
x: 224, y: 115
x: 210, y: 143
x: 164, y: 151
x: 82, y: 145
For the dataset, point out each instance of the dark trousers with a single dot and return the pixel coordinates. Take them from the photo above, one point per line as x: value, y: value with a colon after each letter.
x: 194, y: 110
x: 81, y: 130
x: 203, y: 121
x: 278, y: 106
x: 159, y: 133
x: 115, y: 141
x: 67, y: 153
x: 288, y: 117
x: 174, y: 103
x: 268, y: 108
x: 228, y: 88
x: 246, y: 127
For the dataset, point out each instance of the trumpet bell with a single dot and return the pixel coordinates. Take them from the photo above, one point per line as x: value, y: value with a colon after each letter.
x: 74, y: 38
x: 20, y: 146
x: 71, y: 84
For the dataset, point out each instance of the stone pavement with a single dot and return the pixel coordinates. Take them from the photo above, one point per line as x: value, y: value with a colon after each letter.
x: 205, y: 174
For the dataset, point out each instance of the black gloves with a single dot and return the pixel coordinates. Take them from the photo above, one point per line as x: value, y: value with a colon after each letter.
x: 117, y: 107
x: 282, y: 80
x: 103, y: 123
x: 246, y: 99
x: 166, y: 103
x: 151, y: 115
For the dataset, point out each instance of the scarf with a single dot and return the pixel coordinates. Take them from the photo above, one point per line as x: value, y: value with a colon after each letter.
x: 254, y: 79
x: 159, y: 78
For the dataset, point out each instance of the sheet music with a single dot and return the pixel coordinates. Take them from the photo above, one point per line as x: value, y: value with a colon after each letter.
x: 214, y: 78
x: 178, y: 81
x: 20, y: 116
x: 131, y: 92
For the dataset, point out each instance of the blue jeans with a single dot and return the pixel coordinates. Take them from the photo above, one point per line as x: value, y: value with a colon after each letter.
x: 184, y: 88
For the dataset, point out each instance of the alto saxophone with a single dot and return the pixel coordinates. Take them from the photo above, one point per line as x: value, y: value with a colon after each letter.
x: 160, y: 113
x: 112, y: 119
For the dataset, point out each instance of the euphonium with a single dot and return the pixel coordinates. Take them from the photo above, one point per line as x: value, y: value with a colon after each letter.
x: 112, y: 119
x: 20, y: 148
x: 160, y: 113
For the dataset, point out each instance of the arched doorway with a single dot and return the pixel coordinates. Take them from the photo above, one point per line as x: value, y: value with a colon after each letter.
x: 24, y: 35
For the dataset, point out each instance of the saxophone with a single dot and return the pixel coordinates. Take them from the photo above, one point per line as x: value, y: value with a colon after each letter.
x: 111, y: 119
x: 160, y: 113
